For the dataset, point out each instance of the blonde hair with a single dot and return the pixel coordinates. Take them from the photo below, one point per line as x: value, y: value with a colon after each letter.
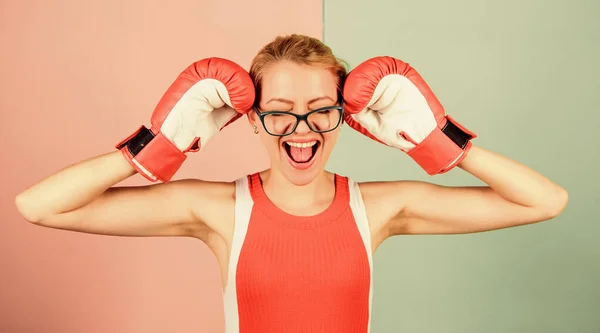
x: 300, y: 49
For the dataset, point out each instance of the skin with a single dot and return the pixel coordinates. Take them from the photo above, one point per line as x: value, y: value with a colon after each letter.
x: 514, y: 195
x: 299, y: 89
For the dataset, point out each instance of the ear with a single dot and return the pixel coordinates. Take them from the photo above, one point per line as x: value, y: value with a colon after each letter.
x: 252, y: 118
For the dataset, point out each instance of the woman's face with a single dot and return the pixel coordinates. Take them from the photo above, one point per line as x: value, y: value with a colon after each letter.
x: 298, y: 89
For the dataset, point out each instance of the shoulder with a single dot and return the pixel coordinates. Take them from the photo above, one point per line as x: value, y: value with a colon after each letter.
x: 202, y: 189
x: 212, y: 204
x: 384, y: 200
x: 377, y: 190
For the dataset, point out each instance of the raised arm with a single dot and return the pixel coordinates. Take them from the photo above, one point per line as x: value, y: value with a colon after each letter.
x: 514, y: 195
x: 83, y: 197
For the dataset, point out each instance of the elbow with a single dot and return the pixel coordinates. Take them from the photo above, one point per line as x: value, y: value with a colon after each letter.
x: 27, y: 209
x: 556, y: 203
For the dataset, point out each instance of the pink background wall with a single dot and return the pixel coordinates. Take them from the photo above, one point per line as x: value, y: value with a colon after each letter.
x: 77, y: 76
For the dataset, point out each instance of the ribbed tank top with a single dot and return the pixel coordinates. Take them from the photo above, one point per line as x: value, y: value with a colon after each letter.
x: 292, y: 274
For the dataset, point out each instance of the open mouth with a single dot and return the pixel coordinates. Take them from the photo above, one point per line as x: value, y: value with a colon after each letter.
x: 301, y: 152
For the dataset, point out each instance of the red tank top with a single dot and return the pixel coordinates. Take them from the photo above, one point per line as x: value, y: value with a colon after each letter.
x: 292, y: 274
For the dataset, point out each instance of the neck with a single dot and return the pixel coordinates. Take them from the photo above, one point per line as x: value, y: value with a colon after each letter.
x: 283, y: 192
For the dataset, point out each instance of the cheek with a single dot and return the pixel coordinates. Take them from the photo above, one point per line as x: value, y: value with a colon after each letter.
x: 270, y: 142
x: 331, y: 139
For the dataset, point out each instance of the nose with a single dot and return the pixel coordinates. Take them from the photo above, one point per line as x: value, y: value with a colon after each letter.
x: 302, y: 127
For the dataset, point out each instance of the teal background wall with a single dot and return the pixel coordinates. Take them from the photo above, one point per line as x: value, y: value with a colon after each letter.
x: 523, y: 75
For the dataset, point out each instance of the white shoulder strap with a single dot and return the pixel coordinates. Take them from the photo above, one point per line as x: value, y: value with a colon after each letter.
x: 360, y: 216
x: 243, y: 210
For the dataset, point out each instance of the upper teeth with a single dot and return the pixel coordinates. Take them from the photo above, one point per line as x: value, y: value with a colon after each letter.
x: 301, y: 144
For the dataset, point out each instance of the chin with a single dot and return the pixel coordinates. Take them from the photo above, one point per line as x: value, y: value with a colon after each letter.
x: 302, y: 178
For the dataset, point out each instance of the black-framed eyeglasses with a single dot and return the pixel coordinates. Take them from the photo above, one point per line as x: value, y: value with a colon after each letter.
x: 281, y: 123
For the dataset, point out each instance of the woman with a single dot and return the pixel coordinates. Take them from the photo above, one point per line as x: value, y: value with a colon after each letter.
x: 294, y: 242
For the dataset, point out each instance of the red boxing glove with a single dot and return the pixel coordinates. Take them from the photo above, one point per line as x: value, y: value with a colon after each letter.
x: 388, y: 101
x: 207, y: 96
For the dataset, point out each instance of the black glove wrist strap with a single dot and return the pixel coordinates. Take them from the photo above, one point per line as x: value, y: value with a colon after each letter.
x: 456, y: 134
x: 138, y: 141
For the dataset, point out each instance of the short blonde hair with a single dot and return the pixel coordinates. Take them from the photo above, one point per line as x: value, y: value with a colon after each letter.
x: 300, y: 49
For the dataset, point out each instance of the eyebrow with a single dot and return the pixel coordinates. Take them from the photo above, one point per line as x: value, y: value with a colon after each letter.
x: 287, y: 101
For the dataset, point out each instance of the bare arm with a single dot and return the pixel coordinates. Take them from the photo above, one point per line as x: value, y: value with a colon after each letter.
x: 515, y: 195
x: 83, y: 197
